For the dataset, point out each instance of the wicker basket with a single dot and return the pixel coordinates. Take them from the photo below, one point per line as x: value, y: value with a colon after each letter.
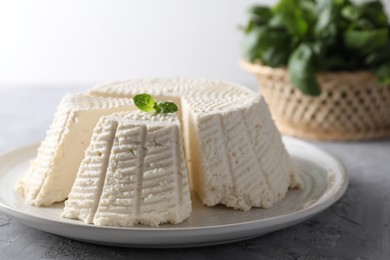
x: 351, y: 106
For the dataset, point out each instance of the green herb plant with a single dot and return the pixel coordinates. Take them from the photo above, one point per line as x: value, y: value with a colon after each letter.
x: 147, y: 103
x: 309, y: 36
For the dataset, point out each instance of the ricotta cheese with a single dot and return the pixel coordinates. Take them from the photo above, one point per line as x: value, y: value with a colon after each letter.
x: 133, y: 172
x: 51, y: 174
x: 234, y: 153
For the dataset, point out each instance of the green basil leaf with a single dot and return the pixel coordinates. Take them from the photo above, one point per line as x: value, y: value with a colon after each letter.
x: 329, y: 22
x: 362, y: 24
x: 301, y: 70
x: 326, y: 11
x: 276, y: 22
x: 292, y: 17
x: 296, y: 24
x: 267, y: 45
x: 352, y: 12
x: 275, y: 56
x: 250, y: 44
x: 249, y: 27
x: 309, y: 9
x: 365, y: 42
x: 274, y: 47
x: 166, y: 107
x: 260, y: 14
x: 144, y: 102
x: 375, y: 12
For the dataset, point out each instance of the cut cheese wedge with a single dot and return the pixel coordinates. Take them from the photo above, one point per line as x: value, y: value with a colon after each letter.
x: 51, y: 174
x: 236, y: 156
x: 133, y: 172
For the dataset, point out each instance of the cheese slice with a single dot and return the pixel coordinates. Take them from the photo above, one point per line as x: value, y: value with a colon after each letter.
x: 51, y: 174
x: 134, y: 172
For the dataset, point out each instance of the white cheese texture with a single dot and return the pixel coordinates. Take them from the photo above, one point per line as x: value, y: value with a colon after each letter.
x: 133, y: 172
x: 51, y: 174
x: 234, y: 152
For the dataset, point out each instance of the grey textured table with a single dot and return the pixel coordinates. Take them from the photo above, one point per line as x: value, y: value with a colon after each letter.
x: 356, y: 227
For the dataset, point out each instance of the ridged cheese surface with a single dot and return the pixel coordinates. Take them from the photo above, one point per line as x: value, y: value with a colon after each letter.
x: 133, y: 173
x: 51, y: 174
x: 234, y: 152
x: 246, y: 164
x: 175, y: 87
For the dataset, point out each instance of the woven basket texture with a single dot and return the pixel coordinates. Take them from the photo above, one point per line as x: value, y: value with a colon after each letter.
x: 352, y: 106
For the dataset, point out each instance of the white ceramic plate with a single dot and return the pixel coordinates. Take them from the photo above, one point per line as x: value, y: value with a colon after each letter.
x: 325, y: 182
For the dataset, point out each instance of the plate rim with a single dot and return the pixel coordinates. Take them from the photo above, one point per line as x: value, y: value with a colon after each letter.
x: 295, y: 216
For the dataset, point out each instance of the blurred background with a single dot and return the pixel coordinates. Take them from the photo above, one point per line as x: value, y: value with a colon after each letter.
x: 81, y: 43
